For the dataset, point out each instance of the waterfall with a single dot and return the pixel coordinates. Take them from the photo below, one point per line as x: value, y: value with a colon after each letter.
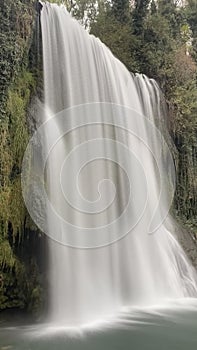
x: 109, y: 177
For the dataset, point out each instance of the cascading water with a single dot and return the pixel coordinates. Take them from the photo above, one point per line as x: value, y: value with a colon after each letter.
x: 96, y: 273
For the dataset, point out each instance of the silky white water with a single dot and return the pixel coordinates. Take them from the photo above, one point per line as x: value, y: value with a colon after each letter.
x: 102, y: 255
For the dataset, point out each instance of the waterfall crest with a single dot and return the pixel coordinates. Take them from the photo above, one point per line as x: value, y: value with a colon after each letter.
x: 82, y: 76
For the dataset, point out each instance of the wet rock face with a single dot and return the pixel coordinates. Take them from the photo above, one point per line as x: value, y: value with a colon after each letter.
x: 39, y: 6
x: 189, y: 243
x: 187, y: 238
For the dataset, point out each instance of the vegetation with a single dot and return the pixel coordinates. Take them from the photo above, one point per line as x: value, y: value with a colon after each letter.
x: 19, y: 274
x: 157, y: 38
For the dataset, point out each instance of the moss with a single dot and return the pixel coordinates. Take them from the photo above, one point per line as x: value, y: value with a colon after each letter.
x: 14, y: 138
x: 19, y: 273
x: 17, y: 285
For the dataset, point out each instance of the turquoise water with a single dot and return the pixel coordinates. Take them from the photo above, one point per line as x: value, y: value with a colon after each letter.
x: 173, y: 327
